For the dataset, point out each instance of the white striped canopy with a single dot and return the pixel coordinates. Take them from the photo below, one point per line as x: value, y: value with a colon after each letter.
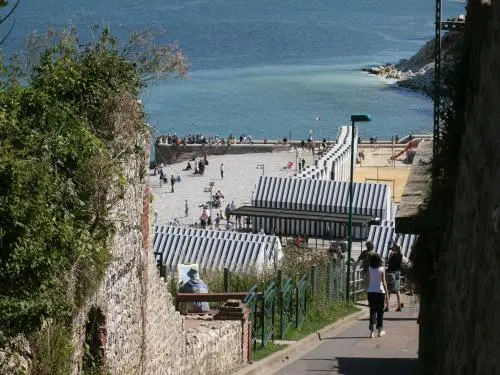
x: 323, y: 195
x: 381, y: 235
x: 335, y: 162
x: 215, y: 250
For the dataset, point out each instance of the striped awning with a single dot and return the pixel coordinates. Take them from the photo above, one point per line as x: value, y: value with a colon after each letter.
x: 215, y: 250
x: 370, y: 199
x: 381, y: 236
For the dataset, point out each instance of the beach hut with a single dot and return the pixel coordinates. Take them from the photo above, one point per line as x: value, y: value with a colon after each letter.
x: 382, y: 235
x: 214, y: 249
x: 318, y: 197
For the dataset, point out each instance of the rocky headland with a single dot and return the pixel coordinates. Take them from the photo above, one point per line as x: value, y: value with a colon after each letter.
x: 417, y: 72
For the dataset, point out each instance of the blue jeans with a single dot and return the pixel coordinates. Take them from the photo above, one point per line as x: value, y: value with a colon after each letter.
x: 376, y: 301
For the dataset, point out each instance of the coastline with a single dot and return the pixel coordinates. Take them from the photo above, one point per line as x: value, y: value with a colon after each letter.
x: 417, y: 72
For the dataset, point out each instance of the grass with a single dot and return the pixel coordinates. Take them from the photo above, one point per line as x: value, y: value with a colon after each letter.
x: 319, y: 317
x: 271, y: 348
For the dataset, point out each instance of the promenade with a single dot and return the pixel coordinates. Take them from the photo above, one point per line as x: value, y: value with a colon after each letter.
x: 351, y: 352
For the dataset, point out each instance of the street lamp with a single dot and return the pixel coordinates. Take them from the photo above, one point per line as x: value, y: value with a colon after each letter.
x: 354, y: 120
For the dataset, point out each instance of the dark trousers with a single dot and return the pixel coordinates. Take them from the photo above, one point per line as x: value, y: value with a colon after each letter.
x: 376, y: 302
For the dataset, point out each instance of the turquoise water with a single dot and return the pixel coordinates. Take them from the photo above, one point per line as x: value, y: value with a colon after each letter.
x: 267, y: 68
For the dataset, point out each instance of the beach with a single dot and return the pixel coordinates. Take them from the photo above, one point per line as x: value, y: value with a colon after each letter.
x: 241, y: 176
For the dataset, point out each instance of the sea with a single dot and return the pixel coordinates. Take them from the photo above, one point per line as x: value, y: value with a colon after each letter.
x: 265, y: 68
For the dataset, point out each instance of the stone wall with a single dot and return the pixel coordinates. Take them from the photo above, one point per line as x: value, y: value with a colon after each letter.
x: 170, y: 154
x: 219, y: 343
x: 142, y: 333
x: 467, y: 304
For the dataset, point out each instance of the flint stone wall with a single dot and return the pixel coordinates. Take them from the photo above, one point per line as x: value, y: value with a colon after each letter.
x: 143, y: 332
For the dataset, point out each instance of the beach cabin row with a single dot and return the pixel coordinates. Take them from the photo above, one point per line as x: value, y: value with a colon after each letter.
x: 215, y: 250
x: 382, y: 235
x: 336, y: 161
x: 306, y: 195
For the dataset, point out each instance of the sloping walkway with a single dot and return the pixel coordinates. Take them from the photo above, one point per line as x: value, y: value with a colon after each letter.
x: 352, y: 352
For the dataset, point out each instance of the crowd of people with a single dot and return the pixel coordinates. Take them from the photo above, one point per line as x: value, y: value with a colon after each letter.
x: 200, y: 139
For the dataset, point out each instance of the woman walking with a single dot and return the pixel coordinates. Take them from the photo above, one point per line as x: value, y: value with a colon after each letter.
x: 377, y: 294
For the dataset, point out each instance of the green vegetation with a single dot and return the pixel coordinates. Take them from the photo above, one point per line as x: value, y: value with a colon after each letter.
x: 318, y: 318
x: 65, y: 134
x: 263, y: 352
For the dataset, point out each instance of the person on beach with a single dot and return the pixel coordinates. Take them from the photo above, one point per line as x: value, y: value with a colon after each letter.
x: 395, y: 261
x: 172, y: 182
x: 204, y: 218
x: 377, y: 294
x: 222, y: 171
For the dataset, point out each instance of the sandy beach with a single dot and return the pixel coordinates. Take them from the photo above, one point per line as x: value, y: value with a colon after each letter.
x: 241, y: 176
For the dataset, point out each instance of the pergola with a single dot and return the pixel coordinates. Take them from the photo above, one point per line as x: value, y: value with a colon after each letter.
x: 282, y: 217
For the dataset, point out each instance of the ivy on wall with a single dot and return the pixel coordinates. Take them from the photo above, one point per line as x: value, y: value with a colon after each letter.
x: 69, y: 118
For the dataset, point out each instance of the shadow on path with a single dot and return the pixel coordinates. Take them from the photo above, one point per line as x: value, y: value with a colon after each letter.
x: 385, y: 366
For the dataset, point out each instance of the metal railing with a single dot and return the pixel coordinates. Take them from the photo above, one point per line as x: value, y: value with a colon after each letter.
x: 267, y: 313
x: 286, y: 307
x: 251, y: 300
x: 285, y: 303
x: 301, y: 301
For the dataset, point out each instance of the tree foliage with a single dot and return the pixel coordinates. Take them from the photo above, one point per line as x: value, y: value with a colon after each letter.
x: 64, y: 135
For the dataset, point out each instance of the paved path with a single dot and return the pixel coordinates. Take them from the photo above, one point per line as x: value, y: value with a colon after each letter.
x: 351, y: 352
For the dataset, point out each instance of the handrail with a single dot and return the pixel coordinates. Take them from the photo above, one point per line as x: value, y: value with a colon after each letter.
x: 209, y: 297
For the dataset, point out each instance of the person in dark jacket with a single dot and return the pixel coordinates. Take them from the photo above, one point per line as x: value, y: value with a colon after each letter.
x: 172, y: 182
x: 195, y: 285
x: 395, y: 261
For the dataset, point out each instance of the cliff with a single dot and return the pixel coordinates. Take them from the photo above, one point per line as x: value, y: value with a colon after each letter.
x: 417, y: 72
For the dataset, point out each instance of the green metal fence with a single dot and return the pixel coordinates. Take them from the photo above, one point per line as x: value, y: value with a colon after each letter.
x: 267, y: 313
x: 286, y: 306
x: 251, y: 300
x: 286, y: 300
x: 301, y: 301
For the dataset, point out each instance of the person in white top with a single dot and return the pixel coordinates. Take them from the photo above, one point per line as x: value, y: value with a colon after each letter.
x: 377, y: 294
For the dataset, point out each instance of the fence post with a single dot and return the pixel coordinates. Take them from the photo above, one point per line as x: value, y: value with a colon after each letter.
x: 328, y: 283
x: 226, y: 280
x: 313, y: 281
x: 279, y: 299
x: 297, y: 305
x: 263, y: 316
x: 336, y: 282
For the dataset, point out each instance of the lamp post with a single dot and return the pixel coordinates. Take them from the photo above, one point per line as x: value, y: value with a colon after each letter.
x: 354, y: 120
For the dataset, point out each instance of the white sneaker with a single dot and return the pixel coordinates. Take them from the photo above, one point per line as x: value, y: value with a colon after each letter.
x: 381, y: 332
x: 372, y: 334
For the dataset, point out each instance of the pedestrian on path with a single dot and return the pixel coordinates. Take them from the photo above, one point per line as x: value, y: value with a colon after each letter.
x: 186, y: 209
x: 395, y: 261
x: 222, y: 171
x: 364, y: 259
x: 377, y: 294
